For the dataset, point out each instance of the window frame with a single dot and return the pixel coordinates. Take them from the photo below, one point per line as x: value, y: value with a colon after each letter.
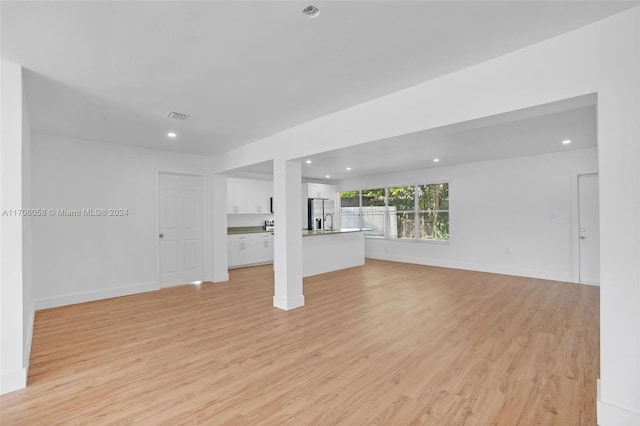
x: 412, y: 211
x: 447, y: 211
x: 384, y: 213
x: 416, y: 211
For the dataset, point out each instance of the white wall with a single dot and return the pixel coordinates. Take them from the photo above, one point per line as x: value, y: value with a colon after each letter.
x: 602, y: 58
x: 13, y: 372
x: 513, y: 216
x: 87, y: 258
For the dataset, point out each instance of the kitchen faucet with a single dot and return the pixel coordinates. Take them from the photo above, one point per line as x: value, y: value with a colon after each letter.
x: 325, y: 221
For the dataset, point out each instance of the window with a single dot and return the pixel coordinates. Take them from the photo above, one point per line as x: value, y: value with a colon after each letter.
x: 350, y: 209
x: 402, y: 212
x: 373, y: 212
x: 433, y: 212
x: 410, y: 212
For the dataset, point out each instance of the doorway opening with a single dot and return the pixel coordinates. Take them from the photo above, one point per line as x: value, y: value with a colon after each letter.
x: 589, y: 229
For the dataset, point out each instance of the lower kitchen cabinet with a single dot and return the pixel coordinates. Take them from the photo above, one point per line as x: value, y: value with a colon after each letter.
x: 249, y: 249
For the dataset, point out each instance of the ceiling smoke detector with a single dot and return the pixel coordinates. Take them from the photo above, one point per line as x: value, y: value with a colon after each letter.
x: 311, y: 11
x: 177, y: 115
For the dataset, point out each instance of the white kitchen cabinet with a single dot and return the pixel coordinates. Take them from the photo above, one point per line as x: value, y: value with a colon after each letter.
x: 263, y: 194
x: 250, y: 249
x: 321, y: 190
x: 268, y: 249
x: 232, y: 205
x: 249, y: 196
x: 235, y: 251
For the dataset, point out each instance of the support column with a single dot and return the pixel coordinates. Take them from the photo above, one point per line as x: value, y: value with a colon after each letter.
x: 287, y: 181
x: 13, y: 372
x: 618, y: 164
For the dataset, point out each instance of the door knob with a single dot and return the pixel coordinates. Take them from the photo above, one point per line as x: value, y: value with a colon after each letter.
x: 161, y: 235
x: 582, y: 237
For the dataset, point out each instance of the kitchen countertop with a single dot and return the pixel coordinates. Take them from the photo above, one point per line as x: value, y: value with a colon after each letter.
x: 314, y: 232
x: 238, y: 230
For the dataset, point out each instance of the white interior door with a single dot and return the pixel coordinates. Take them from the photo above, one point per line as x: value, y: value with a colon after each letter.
x: 180, y: 217
x: 589, y: 228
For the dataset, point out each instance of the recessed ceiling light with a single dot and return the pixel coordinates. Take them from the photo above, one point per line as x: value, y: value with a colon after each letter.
x: 327, y: 176
x: 308, y: 161
x: 348, y: 169
x: 566, y: 142
x: 311, y: 11
x: 171, y: 135
x: 436, y: 160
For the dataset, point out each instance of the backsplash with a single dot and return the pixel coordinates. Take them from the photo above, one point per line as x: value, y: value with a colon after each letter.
x: 235, y: 220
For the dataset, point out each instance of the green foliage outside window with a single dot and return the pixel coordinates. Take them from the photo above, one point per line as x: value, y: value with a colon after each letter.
x: 373, y: 197
x: 394, y: 214
x: 350, y: 199
x: 402, y: 198
x: 433, y: 216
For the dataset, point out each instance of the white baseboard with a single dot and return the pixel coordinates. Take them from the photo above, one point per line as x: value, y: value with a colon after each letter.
x: 90, y: 296
x: 494, y: 269
x: 219, y: 278
x: 288, y: 304
x: 610, y: 415
x: 13, y: 381
x: 16, y: 380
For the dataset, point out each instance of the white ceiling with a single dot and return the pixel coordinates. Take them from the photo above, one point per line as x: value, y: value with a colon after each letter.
x: 531, y: 131
x: 458, y: 144
x: 110, y: 71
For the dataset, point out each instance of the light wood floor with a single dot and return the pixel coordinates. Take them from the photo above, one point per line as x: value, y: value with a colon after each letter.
x: 387, y: 343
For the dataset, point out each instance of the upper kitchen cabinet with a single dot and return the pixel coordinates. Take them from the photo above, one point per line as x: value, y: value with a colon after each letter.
x: 249, y: 196
x: 320, y: 190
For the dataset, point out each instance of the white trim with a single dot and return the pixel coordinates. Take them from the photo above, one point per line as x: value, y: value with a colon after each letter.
x: 90, y: 296
x: 29, y: 337
x: 156, y: 218
x: 288, y: 304
x: 13, y: 381
x: 493, y: 269
x: 610, y: 415
x: 218, y: 278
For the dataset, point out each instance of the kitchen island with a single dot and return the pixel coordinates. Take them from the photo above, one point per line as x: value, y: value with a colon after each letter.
x: 331, y: 250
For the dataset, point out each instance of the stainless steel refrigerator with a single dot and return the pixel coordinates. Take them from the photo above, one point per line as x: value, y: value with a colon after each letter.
x: 319, y: 211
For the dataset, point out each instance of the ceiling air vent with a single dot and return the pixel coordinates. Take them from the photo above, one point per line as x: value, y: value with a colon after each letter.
x: 177, y: 115
x: 311, y: 11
